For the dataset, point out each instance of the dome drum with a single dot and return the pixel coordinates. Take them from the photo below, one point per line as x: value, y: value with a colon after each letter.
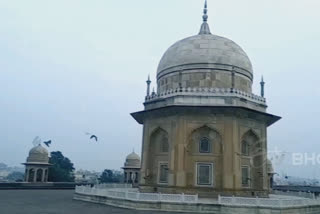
x: 37, y: 159
x: 132, y: 164
x: 204, y: 78
x: 195, y: 67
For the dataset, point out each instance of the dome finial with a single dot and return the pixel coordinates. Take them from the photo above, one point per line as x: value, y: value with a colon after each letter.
x: 205, y: 11
x: 205, y: 27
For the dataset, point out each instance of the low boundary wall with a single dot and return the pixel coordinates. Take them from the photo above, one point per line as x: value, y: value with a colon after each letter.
x: 48, y: 185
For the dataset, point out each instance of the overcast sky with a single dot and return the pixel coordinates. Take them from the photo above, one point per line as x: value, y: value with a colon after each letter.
x: 73, y: 66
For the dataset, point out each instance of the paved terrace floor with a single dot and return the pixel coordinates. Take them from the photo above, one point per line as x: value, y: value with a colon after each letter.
x: 54, y: 202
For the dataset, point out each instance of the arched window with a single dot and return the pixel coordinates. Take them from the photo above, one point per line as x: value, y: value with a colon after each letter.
x: 245, y: 148
x: 164, y: 145
x: 204, y: 145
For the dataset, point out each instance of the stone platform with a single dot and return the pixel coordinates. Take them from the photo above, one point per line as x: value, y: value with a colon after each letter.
x: 131, y: 199
x: 35, y: 201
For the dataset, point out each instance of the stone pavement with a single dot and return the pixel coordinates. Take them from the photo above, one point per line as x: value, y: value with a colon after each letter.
x: 53, y: 202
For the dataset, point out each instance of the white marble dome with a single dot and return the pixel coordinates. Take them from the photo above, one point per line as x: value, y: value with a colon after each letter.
x: 204, y: 51
x: 132, y: 161
x: 38, y: 154
x: 204, y: 61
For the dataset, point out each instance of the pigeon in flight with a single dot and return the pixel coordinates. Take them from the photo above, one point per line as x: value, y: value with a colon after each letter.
x: 47, y: 143
x: 94, y: 137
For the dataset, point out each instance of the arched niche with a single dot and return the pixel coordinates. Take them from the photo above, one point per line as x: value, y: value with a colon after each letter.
x: 250, y: 143
x: 252, y: 158
x: 208, y: 135
x: 159, y: 148
x: 39, y: 175
x: 195, y: 157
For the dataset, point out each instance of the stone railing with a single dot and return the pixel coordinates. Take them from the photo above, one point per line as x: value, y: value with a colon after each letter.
x: 211, y: 92
x: 267, y: 202
x: 130, y: 194
x: 275, y: 201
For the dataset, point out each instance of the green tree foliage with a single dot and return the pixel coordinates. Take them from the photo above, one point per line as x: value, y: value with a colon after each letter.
x: 61, y: 169
x: 110, y: 176
x: 16, y: 176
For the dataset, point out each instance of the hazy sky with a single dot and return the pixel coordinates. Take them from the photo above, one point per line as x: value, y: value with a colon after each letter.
x: 73, y: 66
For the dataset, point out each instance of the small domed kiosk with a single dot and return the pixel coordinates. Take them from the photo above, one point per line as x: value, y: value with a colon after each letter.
x: 271, y: 173
x: 132, y: 169
x: 37, y: 165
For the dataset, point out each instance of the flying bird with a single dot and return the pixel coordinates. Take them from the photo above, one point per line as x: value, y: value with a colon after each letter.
x: 47, y: 143
x: 94, y: 137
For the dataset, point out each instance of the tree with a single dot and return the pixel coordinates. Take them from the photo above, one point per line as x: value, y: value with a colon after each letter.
x: 15, y: 176
x: 110, y: 176
x: 61, y: 169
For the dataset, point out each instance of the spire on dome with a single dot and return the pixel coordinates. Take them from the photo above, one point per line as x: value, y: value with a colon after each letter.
x: 205, y: 11
x: 205, y: 27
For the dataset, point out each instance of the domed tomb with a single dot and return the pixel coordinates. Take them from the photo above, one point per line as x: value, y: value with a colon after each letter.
x: 204, y: 129
x: 132, y: 169
x: 37, y: 165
